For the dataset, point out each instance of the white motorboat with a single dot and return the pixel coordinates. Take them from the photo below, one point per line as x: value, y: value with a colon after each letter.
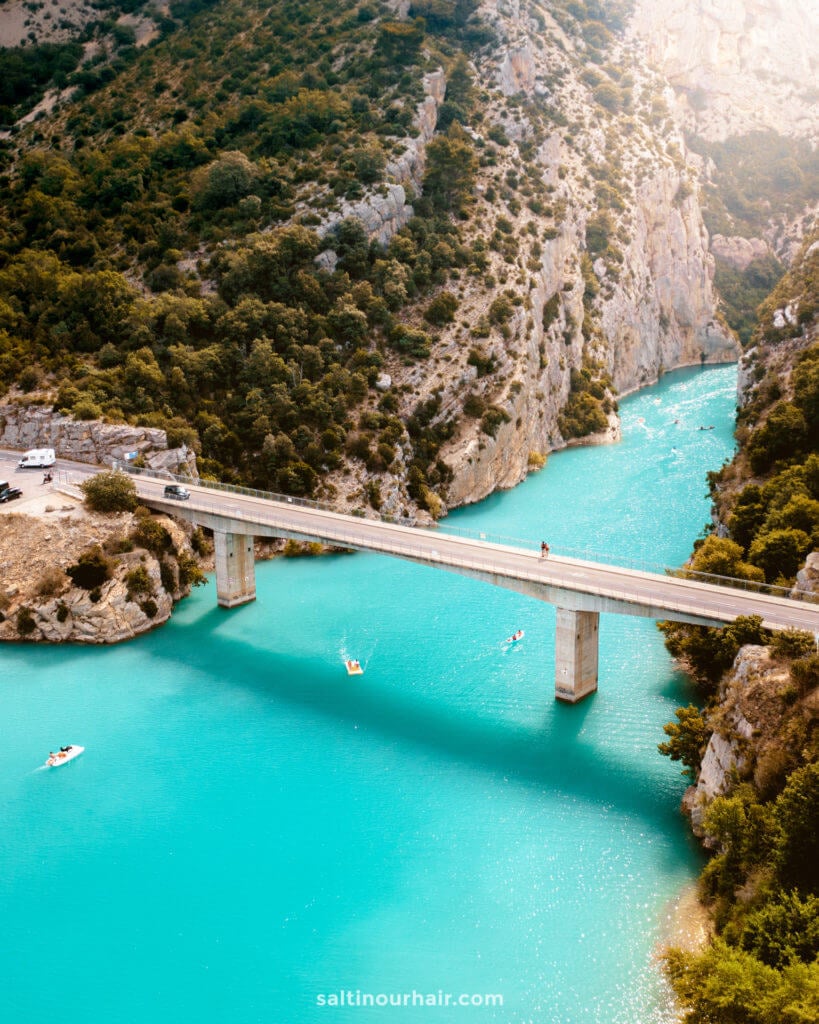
x: 63, y: 755
x: 513, y: 639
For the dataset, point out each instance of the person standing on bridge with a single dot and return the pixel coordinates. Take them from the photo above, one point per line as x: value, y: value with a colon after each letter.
x: 544, y: 549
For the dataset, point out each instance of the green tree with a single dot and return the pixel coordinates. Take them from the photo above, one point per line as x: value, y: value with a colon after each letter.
x: 109, y: 492
x: 450, y: 171
x: 779, y: 552
x: 224, y: 182
x: 687, y: 738
x: 718, y: 556
x: 796, y: 812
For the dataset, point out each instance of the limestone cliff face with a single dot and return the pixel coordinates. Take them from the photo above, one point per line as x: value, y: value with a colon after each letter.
x: 648, y: 305
x: 745, y: 64
x: 664, y: 313
x: 40, y: 426
x: 757, y: 708
x: 384, y: 212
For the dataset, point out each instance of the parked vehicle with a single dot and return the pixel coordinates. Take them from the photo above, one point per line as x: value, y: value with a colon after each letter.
x: 9, y: 494
x: 177, y: 491
x: 37, y: 458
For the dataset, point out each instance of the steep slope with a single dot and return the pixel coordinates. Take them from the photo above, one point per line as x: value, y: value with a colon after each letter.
x: 739, y: 66
x: 753, y: 751
x: 386, y: 257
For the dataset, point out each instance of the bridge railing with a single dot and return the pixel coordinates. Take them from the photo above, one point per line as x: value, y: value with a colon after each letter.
x: 252, y: 492
x: 524, y: 543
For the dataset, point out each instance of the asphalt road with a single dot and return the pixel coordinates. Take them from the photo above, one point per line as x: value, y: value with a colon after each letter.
x: 612, y: 588
x: 653, y: 594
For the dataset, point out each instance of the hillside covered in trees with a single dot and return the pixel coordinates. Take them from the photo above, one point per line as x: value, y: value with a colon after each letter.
x: 186, y: 235
x: 762, y: 882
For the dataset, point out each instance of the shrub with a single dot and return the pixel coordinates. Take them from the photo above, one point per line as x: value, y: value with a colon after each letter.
x: 91, y: 570
x: 501, y: 310
x: 441, y: 310
x: 411, y: 341
x: 167, y: 576
x: 51, y: 582
x: 138, y: 582
x: 149, y: 607
x: 62, y: 611
x: 474, y: 405
x: 492, y: 419
x: 25, y: 621
x: 190, y: 572
x: 109, y: 492
x: 150, y: 534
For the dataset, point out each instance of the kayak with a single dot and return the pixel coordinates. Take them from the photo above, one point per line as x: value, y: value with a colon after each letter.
x: 64, y: 755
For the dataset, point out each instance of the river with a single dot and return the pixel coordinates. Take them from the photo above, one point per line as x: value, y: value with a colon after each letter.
x: 250, y: 832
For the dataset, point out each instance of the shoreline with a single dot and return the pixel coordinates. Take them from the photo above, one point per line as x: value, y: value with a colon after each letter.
x: 685, y: 923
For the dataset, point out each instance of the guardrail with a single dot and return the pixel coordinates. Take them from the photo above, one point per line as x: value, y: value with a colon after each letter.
x: 490, y: 537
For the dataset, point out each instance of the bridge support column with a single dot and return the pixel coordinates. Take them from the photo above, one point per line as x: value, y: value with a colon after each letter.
x: 235, y: 568
x: 576, y: 646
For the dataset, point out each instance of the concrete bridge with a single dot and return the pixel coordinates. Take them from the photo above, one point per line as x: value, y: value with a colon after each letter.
x: 580, y: 589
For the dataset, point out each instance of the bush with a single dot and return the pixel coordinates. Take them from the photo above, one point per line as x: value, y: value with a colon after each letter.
x: 138, y: 582
x: 91, y: 570
x: 150, y: 534
x: 25, y: 621
x: 167, y: 576
x: 51, y: 582
x: 190, y: 572
x: 109, y: 492
x: 492, y: 419
x: 149, y: 607
x: 441, y: 310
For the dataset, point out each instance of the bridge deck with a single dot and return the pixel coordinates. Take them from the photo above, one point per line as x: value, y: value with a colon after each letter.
x: 567, y: 581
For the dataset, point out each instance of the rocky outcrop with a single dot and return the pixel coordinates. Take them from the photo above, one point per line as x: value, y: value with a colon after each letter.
x: 739, y: 252
x: 753, y: 700
x: 38, y: 601
x: 807, y: 579
x: 385, y: 212
x: 738, y: 65
x: 39, y: 426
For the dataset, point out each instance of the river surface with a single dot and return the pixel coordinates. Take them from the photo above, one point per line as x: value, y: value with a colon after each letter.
x: 251, y: 832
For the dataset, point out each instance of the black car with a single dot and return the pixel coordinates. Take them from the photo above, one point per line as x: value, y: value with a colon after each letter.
x: 177, y: 491
x: 10, y: 493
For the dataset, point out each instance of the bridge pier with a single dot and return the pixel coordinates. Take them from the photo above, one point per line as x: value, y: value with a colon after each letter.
x: 235, y: 568
x: 576, y: 654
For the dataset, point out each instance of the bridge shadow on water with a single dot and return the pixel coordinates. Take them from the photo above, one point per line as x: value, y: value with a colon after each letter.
x: 555, y: 757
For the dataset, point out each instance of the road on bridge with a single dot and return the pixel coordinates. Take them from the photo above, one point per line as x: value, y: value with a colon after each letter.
x: 630, y: 591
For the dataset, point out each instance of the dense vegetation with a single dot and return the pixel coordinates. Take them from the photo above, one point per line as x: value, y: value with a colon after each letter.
x: 763, y: 881
x: 258, y: 356
x: 175, y: 249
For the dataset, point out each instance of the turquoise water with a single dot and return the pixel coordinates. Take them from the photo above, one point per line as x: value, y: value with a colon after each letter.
x: 249, y: 829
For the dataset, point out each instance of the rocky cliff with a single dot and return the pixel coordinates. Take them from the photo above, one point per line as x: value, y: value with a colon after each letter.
x: 611, y: 265
x: 25, y: 426
x: 738, y: 65
x: 39, y: 602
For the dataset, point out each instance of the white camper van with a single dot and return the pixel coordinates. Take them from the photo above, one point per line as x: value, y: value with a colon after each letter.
x: 37, y: 458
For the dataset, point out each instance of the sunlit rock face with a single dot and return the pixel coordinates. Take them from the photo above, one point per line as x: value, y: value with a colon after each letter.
x: 740, y: 65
